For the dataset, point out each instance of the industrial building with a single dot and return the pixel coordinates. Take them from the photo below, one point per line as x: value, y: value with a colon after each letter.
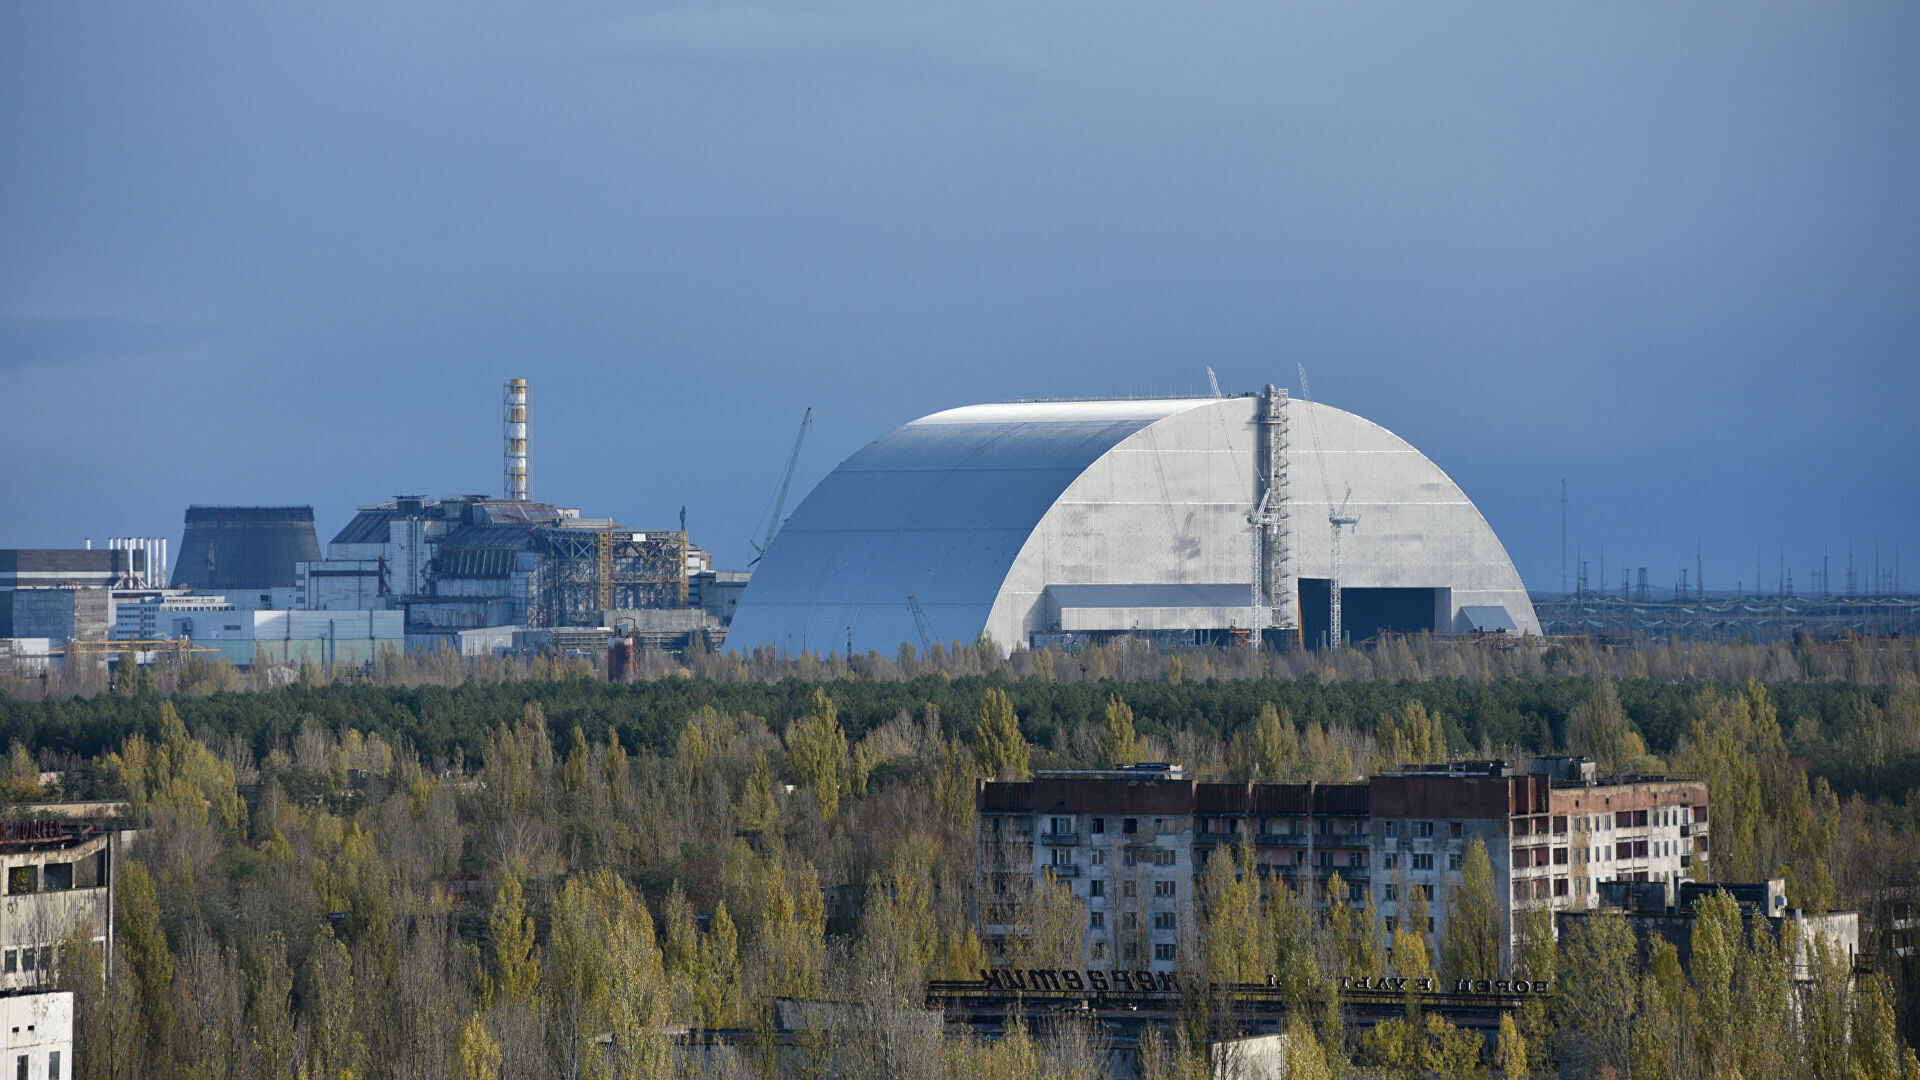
x: 1129, y: 842
x: 474, y: 562
x: 239, y: 550
x: 1204, y: 520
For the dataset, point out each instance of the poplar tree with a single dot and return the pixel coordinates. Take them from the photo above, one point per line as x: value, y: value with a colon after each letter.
x: 515, y: 969
x: 817, y: 753
x: 997, y: 741
x: 1470, y: 947
x: 1117, y: 737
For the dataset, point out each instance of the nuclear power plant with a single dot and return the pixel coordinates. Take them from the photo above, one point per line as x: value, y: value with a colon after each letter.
x: 1251, y: 520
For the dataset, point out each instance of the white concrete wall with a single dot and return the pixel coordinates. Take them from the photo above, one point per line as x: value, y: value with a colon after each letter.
x: 36, y: 1028
x: 1169, y: 505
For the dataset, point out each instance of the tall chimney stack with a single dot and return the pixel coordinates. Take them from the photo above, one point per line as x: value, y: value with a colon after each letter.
x: 517, y: 439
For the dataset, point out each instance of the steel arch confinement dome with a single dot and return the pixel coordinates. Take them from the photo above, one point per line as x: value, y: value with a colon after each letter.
x: 1103, y: 517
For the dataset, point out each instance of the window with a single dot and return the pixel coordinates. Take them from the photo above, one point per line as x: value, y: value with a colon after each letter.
x: 1096, y: 888
x: 1129, y: 920
x: 1356, y: 892
x: 20, y: 1066
x: 1062, y: 857
x: 1126, y: 888
x: 1099, y: 950
x: 1098, y: 856
x: 1164, y: 920
x: 1389, y: 860
x: 1163, y: 888
x: 1164, y: 951
x: 1391, y: 923
x: 1164, y: 856
x: 1354, y: 858
x: 1422, y: 861
x: 1389, y: 892
x: 1098, y: 827
x: 1130, y: 825
x: 13, y: 961
x: 1454, y: 860
x: 1163, y: 826
x: 1454, y: 829
x: 1425, y: 891
x: 1061, y: 826
x: 1129, y: 857
x: 1423, y: 828
x: 26, y: 958
x: 1097, y: 921
x: 1393, y: 828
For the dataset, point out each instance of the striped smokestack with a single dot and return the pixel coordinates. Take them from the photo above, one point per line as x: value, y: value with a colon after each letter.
x: 517, y: 439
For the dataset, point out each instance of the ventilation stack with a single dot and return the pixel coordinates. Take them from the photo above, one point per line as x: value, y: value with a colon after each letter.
x: 244, y: 547
x: 516, y: 417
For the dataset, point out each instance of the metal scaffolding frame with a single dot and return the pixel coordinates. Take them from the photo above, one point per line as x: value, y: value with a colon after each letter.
x: 588, y: 571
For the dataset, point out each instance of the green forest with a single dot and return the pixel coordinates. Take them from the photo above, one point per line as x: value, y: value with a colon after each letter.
x: 497, y: 869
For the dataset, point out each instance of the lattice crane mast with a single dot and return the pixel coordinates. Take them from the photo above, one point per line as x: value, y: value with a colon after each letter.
x: 1338, y: 517
x: 780, y: 494
x: 920, y: 623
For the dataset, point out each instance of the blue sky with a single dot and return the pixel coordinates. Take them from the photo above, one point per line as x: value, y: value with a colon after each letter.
x: 254, y: 254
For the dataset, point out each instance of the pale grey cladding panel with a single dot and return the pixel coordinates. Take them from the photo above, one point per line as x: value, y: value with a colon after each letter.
x: 937, y: 509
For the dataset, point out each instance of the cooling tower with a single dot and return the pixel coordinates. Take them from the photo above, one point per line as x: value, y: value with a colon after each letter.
x: 244, y: 547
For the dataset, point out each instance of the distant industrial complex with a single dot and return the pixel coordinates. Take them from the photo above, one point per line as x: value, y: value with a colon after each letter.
x: 1252, y: 519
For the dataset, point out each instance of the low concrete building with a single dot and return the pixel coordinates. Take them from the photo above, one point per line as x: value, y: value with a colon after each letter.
x: 36, y: 1035
x: 1658, y: 913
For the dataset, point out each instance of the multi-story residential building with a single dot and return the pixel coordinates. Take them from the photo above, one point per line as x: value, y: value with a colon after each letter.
x: 1129, y: 842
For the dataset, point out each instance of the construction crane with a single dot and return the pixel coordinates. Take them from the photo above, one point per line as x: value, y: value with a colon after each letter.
x: 1339, y: 517
x: 920, y: 624
x: 1213, y: 384
x: 780, y: 494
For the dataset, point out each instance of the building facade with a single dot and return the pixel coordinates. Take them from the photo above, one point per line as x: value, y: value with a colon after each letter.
x: 1129, y: 842
x: 58, y: 880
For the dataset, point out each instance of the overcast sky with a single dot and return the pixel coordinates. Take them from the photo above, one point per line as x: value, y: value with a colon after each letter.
x: 253, y: 254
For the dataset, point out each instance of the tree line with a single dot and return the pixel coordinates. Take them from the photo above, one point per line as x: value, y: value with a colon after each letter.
x: 551, y: 875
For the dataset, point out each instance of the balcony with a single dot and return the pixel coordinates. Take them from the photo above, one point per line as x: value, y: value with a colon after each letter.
x: 1342, y: 840
x: 1347, y: 873
x: 1281, y: 839
x: 1059, y: 839
x: 1062, y: 870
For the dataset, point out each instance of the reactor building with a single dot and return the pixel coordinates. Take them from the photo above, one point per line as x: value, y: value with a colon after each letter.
x: 1203, y: 520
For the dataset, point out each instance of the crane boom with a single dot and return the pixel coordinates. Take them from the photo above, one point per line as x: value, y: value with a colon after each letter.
x: 921, y: 625
x: 780, y: 494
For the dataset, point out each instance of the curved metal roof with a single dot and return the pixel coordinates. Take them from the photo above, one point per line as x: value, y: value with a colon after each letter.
x: 937, y: 509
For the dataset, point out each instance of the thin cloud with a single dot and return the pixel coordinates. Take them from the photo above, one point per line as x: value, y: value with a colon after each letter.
x: 62, y: 341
